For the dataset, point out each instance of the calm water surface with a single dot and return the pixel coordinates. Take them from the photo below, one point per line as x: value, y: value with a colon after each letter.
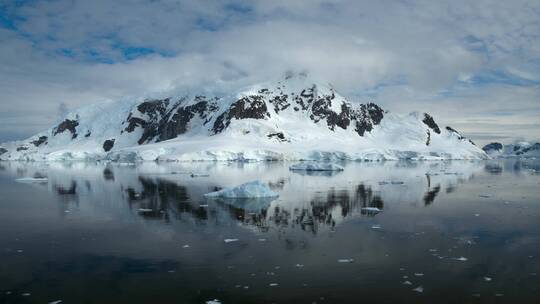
x: 449, y: 232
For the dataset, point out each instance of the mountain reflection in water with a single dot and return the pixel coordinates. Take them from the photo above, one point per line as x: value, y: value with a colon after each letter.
x: 116, y: 233
x: 166, y: 192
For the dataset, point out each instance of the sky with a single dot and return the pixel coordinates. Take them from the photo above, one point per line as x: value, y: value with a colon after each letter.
x: 474, y: 65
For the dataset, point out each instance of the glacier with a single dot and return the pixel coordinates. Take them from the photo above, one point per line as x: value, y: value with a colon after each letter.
x: 291, y: 119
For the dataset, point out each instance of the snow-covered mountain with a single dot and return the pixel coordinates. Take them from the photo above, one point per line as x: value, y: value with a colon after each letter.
x: 292, y: 119
x: 519, y: 149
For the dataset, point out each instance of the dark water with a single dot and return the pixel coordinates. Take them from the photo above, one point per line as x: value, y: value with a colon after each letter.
x: 465, y: 232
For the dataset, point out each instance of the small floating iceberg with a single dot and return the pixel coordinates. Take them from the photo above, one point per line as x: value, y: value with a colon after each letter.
x: 32, y: 180
x: 345, y: 261
x: 254, y: 189
x: 315, y: 167
x: 370, y: 210
x: 193, y: 175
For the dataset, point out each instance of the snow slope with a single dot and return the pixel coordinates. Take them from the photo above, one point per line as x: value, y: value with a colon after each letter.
x: 292, y: 119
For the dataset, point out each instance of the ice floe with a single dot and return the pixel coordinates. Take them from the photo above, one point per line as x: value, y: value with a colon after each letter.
x: 254, y: 189
x: 345, y: 260
x: 37, y: 180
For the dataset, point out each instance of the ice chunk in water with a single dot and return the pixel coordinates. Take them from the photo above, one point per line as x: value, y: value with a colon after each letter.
x: 230, y: 240
x: 419, y: 289
x: 345, y: 260
x: 252, y: 189
x: 371, y: 210
x: 38, y: 180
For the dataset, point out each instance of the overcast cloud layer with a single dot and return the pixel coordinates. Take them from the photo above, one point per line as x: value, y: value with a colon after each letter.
x: 474, y: 65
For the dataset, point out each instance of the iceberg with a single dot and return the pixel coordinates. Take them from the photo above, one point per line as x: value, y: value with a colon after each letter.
x: 254, y: 189
x: 32, y: 180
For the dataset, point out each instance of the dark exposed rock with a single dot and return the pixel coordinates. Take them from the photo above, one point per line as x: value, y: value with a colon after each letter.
x: 376, y: 113
x: 247, y: 107
x: 2, y: 151
x: 155, y: 112
x: 178, y: 124
x: 40, y: 141
x: 155, y: 106
x: 88, y: 134
x: 368, y: 116
x: 534, y: 147
x: 322, y: 109
x: 134, y: 122
x: 455, y: 131
x: 428, y: 120
x: 306, y: 97
x: 280, y: 103
x: 428, y: 138
x: 22, y: 148
x: 279, y: 135
x: 165, y: 120
x: 108, y: 145
x: 69, y: 125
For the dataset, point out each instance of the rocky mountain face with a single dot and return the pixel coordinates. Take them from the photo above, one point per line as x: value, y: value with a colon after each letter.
x: 164, y: 119
x: 284, y: 117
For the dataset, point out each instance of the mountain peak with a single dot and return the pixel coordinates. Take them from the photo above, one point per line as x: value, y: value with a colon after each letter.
x: 295, y: 118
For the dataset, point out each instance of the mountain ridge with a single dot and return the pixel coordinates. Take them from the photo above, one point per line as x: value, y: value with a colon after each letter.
x: 518, y: 149
x: 293, y: 119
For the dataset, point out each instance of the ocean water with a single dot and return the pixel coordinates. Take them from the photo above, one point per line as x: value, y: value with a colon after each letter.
x: 442, y: 232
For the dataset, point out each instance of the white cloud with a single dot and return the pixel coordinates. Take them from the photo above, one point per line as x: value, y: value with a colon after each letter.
x: 402, y: 53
